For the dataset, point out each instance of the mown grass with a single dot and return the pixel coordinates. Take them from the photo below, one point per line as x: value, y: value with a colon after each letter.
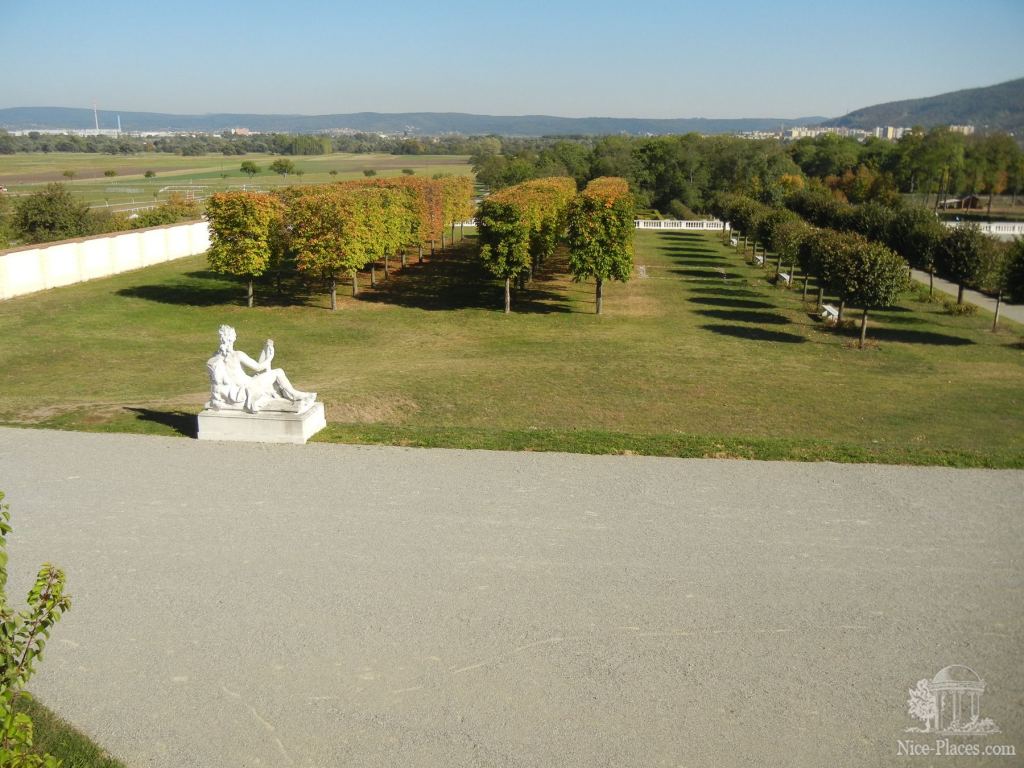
x: 703, y: 357
x: 54, y: 736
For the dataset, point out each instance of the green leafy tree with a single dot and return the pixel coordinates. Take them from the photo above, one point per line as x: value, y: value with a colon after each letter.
x: 241, y: 224
x: 282, y: 166
x: 23, y: 635
x: 962, y: 256
x: 869, y: 275
x: 1014, y: 272
x: 149, y: 174
x: 52, y: 213
x: 599, y: 234
x: 110, y: 173
x: 249, y: 168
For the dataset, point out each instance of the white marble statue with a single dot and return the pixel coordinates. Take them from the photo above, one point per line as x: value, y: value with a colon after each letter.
x: 231, y: 388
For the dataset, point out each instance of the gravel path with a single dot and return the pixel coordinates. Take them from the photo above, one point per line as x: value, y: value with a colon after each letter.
x: 325, y: 605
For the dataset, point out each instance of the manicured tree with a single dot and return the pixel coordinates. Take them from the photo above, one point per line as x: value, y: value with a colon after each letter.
x: 915, y: 234
x: 457, y: 196
x: 872, y: 220
x: 821, y: 255
x: 329, y: 235
x: 962, y: 256
x: 996, y: 273
x: 519, y: 226
x: 1014, y: 275
x: 600, y: 233
x: 240, y: 234
x: 870, y: 275
x: 504, y: 239
x: 786, y: 237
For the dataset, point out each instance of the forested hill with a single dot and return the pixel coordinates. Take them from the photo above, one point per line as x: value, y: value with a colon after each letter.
x: 997, y: 107
x: 414, y: 123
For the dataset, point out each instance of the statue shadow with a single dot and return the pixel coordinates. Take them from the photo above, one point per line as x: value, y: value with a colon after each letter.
x: 181, y: 422
x: 753, y: 333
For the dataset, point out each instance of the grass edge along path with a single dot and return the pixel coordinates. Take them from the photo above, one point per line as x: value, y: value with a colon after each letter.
x: 601, y: 442
x: 55, y: 736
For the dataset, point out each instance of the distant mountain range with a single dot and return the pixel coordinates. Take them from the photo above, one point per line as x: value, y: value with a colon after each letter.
x: 413, y: 123
x: 996, y: 108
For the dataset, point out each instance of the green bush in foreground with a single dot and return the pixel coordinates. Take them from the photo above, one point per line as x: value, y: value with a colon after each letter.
x: 23, y: 635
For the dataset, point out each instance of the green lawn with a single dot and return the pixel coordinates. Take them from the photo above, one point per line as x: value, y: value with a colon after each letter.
x: 703, y: 357
x: 55, y: 737
x: 25, y: 173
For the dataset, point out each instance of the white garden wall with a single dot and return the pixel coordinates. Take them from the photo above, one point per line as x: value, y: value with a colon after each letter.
x: 49, y: 265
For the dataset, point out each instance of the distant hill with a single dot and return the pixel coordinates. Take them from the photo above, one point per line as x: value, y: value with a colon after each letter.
x: 997, y: 108
x: 414, y: 123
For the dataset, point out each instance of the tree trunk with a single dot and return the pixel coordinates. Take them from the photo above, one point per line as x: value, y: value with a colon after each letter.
x: 821, y: 296
x: 355, y: 283
x: 999, y: 304
x: 421, y: 253
x: 960, y: 294
x: 863, y: 328
x: 931, y: 281
x: 839, y: 316
x: 462, y: 230
x: 403, y: 259
x: 373, y: 275
x: 453, y: 232
x: 599, y: 295
x: 806, y: 278
x: 508, y: 295
x: 431, y: 247
x: 387, y: 272
x: 249, y: 297
x: 334, y: 291
x: 990, y: 204
x: 442, y: 239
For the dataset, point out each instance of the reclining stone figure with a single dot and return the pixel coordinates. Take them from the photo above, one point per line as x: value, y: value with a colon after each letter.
x: 231, y: 388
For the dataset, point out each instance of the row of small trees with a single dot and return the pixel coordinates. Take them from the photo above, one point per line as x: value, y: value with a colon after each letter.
x: 520, y: 226
x: 860, y: 272
x: 962, y: 254
x: 329, y: 231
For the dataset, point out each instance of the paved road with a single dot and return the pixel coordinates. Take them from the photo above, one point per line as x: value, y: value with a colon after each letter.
x: 1012, y: 311
x: 323, y: 605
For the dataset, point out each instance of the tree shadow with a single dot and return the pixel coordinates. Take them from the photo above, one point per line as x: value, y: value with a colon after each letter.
x: 905, y: 335
x: 744, y: 316
x: 704, y: 273
x: 186, y: 295
x: 714, y: 301
x: 455, y: 279
x: 727, y: 291
x: 181, y: 422
x: 755, y: 334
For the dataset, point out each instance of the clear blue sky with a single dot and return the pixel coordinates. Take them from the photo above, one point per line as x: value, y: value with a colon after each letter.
x: 750, y: 58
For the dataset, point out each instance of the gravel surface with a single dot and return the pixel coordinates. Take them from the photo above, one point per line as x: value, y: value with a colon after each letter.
x: 325, y: 605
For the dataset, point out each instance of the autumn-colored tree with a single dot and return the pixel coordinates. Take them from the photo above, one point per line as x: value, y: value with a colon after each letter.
x: 519, y: 226
x: 457, y: 199
x: 599, y: 233
x: 240, y: 233
x: 329, y: 234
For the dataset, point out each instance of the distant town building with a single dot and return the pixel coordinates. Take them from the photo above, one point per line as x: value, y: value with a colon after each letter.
x: 966, y: 130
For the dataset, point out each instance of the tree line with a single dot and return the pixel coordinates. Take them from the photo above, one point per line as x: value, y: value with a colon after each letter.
x: 863, y: 254
x: 328, y: 231
x: 520, y: 226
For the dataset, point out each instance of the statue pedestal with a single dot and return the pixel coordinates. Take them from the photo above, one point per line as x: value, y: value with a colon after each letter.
x: 262, y: 427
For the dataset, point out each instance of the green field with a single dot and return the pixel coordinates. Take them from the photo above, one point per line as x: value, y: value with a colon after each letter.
x: 701, y: 357
x: 25, y: 173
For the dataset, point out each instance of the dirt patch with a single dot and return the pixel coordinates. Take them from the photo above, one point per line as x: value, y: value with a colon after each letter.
x: 372, y: 410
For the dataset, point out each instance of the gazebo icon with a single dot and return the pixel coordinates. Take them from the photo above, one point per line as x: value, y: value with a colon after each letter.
x: 950, y: 703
